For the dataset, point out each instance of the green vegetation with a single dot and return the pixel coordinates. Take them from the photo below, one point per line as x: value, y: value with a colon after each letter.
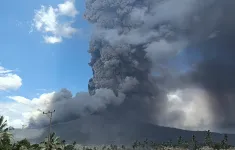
x: 55, y: 143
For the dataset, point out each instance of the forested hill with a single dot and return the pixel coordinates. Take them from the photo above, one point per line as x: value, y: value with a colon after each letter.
x: 94, y: 130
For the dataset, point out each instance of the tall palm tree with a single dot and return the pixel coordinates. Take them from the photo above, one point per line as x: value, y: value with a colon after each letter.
x: 5, y: 136
x: 3, y: 124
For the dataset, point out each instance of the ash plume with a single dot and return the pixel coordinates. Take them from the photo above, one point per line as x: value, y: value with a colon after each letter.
x: 215, y: 74
x: 131, y: 46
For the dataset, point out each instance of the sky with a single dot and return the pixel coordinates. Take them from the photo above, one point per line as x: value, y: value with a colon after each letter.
x: 43, y: 48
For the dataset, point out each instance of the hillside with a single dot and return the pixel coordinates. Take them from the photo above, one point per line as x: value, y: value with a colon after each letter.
x: 94, y: 130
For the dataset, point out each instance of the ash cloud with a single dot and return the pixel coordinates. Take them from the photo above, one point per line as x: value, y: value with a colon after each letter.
x: 131, y: 46
x: 69, y: 108
x: 215, y: 73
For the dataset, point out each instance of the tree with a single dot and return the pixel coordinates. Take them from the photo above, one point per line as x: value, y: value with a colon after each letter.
x: 194, y: 145
x: 135, y: 144
x: 3, y: 124
x: 226, y: 138
x: 69, y: 147
x: 208, y: 139
x: 5, y: 141
x: 224, y: 142
x: 23, y: 143
x: 55, y: 143
x: 5, y: 136
x: 180, y: 141
x: 35, y: 147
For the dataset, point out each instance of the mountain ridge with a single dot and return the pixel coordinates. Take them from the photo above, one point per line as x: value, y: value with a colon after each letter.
x: 98, y: 130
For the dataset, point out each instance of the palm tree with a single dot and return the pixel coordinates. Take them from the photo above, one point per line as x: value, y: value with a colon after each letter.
x: 3, y: 124
x: 5, y: 136
x: 55, y: 143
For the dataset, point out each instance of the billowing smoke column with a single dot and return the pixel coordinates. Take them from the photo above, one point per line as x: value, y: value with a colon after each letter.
x: 132, y: 42
x: 130, y: 39
x: 131, y: 45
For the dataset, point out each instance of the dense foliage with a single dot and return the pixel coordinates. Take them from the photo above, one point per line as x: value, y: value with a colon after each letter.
x: 55, y: 143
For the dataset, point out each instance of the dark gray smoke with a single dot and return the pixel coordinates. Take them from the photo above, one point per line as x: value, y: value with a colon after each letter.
x: 132, y: 39
x: 131, y: 46
x: 216, y: 75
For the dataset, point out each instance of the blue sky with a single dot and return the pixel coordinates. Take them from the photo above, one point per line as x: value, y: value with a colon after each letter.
x: 29, y: 64
x: 39, y: 64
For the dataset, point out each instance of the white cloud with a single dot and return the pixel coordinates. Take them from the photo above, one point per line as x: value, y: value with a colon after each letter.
x: 47, y: 20
x: 19, y: 112
x: 20, y: 99
x: 68, y: 8
x: 9, y: 80
x: 52, y: 39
